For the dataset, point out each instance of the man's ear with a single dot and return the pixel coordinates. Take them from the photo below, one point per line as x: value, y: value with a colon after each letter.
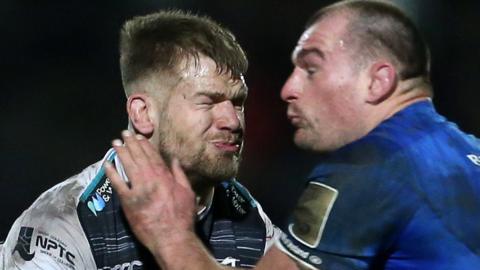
x: 383, y: 81
x: 138, y: 108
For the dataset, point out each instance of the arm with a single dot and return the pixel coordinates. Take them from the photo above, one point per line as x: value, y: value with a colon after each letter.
x: 155, y: 188
x: 187, y: 252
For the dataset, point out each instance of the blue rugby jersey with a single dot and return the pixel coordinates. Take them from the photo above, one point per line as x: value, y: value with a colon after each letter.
x: 406, y: 196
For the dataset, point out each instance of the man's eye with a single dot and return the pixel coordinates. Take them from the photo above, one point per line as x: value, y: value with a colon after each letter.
x: 311, y: 71
x: 204, y: 101
x: 205, y: 105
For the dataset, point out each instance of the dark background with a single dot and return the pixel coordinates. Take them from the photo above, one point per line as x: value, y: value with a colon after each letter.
x: 62, y: 101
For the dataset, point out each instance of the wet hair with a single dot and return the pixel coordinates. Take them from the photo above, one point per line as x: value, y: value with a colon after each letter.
x: 159, y: 42
x: 379, y: 28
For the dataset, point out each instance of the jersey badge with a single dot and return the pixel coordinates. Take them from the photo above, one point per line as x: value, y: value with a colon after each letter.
x: 311, y: 213
x: 23, y: 243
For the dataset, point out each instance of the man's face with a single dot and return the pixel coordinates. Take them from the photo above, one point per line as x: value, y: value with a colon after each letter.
x: 202, y: 121
x: 323, y: 92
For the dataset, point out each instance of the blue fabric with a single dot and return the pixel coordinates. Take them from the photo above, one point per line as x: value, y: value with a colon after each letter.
x: 408, y: 198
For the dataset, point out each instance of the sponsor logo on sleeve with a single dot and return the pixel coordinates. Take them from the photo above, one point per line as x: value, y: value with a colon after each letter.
x: 44, y: 243
x: 101, y: 197
x: 311, y: 213
x: 305, y: 258
x: 23, y: 243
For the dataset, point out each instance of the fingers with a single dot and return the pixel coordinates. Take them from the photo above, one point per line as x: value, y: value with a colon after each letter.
x: 150, y: 151
x: 141, y: 161
x: 117, y: 181
x: 133, y: 157
x: 128, y: 163
x: 133, y: 146
x: 143, y: 164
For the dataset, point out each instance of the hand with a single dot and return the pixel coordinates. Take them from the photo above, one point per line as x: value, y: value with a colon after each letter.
x: 158, y: 202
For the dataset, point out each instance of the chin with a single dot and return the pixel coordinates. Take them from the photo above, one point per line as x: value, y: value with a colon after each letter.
x: 312, y: 144
x: 221, y: 168
x: 302, y: 141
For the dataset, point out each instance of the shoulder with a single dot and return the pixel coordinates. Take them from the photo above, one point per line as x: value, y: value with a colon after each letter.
x: 377, y: 159
x: 405, y: 141
x: 48, y: 233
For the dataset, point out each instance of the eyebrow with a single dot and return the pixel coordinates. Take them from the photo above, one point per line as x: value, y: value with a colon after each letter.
x: 302, y: 53
x: 241, y: 93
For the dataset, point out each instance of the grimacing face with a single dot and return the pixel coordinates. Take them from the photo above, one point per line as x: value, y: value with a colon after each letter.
x: 324, y: 92
x: 202, y: 122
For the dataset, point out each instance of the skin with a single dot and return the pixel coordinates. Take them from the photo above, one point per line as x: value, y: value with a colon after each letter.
x: 197, y: 117
x: 200, y: 125
x: 332, y: 101
x: 323, y: 92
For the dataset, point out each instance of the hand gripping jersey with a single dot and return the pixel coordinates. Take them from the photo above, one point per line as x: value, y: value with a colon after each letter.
x: 79, y: 224
x: 406, y: 196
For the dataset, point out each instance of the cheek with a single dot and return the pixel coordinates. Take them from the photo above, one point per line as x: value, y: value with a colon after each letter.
x: 196, y: 121
x: 321, y: 101
x: 325, y: 107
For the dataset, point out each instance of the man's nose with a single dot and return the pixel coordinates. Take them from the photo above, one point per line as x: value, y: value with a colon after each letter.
x: 228, y: 117
x: 291, y: 88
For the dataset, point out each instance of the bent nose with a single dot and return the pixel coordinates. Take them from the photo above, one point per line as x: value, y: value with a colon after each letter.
x: 228, y: 117
x: 291, y: 88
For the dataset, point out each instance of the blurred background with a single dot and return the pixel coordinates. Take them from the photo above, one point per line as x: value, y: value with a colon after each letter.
x: 62, y: 101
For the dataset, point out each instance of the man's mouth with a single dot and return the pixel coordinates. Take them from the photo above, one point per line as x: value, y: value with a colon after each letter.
x: 227, y: 147
x: 295, y: 120
x: 233, y: 146
x: 294, y: 117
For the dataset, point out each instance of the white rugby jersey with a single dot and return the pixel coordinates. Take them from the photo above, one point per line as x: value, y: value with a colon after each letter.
x: 78, y: 224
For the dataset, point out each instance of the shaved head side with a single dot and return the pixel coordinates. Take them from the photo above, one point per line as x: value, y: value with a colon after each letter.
x: 380, y: 29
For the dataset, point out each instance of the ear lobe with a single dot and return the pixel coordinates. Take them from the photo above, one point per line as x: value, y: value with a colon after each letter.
x: 138, y: 112
x: 383, y: 82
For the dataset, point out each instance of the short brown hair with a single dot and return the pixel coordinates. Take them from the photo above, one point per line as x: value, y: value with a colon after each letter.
x: 158, y: 42
x: 379, y: 28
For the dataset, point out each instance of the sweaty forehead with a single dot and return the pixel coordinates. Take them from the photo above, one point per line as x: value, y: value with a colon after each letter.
x: 325, y: 35
x: 204, y: 77
x: 204, y: 67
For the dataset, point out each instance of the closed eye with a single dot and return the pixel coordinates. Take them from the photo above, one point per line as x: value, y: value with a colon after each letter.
x: 203, y: 100
x: 311, y: 70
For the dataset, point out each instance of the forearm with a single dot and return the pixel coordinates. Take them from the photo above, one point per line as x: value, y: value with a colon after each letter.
x: 185, y: 251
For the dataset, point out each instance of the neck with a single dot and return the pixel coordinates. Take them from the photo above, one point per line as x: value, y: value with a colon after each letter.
x: 203, y: 201
x: 407, y: 93
x: 203, y: 189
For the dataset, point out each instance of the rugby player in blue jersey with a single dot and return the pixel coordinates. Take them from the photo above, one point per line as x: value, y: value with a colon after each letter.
x: 397, y: 186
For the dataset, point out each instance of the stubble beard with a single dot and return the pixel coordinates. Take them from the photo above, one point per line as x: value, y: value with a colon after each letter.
x: 308, y: 138
x: 303, y: 141
x: 203, y: 165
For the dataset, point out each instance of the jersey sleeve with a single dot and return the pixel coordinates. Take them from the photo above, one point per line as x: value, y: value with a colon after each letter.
x: 351, y: 211
x: 47, y: 236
